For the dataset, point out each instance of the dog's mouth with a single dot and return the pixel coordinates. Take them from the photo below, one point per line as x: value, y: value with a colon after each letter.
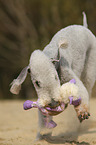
x: 52, y: 105
x: 53, y: 110
x: 46, y: 110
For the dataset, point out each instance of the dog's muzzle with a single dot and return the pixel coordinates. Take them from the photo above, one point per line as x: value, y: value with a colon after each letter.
x: 51, y: 109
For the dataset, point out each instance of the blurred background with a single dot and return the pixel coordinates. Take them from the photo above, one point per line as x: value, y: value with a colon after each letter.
x: 26, y: 25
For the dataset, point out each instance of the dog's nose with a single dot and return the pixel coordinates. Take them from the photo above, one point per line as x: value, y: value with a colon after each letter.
x: 53, y: 103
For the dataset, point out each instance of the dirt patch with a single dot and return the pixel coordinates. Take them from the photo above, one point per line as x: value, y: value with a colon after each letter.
x: 19, y: 127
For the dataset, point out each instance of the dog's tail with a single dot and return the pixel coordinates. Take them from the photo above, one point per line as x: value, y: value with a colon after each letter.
x: 85, y: 20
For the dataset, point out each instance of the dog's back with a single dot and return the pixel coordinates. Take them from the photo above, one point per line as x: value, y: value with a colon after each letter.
x: 79, y: 41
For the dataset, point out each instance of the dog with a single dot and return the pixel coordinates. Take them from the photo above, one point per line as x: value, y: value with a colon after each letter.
x: 71, y: 54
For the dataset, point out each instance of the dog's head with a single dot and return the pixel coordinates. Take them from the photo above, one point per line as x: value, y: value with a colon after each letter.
x: 44, y: 77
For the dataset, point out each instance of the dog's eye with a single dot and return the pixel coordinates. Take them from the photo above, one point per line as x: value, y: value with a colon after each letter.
x: 29, y: 70
x: 37, y: 83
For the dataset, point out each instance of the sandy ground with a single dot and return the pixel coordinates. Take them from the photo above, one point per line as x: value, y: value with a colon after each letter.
x: 19, y: 127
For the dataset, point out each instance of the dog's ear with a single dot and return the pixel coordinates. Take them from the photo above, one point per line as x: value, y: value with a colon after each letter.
x: 63, y: 44
x: 57, y: 58
x: 16, y: 83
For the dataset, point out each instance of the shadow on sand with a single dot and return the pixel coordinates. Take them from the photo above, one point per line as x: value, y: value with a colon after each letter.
x: 64, y: 138
x: 70, y: 138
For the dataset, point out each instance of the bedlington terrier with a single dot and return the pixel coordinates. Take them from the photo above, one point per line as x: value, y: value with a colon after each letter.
x: 71, y: 54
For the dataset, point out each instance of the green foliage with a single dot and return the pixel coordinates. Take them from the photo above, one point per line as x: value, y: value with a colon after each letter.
x: 26, y: 25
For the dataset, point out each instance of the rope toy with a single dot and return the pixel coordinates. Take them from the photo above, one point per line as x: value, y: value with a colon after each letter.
x: 47, y: 111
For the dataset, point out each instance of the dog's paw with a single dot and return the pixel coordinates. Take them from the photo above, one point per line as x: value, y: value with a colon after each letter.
x: 82, y: 112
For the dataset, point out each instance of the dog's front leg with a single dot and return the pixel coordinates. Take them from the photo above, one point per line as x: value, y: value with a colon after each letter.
x: 45, y: 125
x: 83, y: 109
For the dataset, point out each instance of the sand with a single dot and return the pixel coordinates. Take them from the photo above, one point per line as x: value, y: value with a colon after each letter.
x: 19, y: 127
